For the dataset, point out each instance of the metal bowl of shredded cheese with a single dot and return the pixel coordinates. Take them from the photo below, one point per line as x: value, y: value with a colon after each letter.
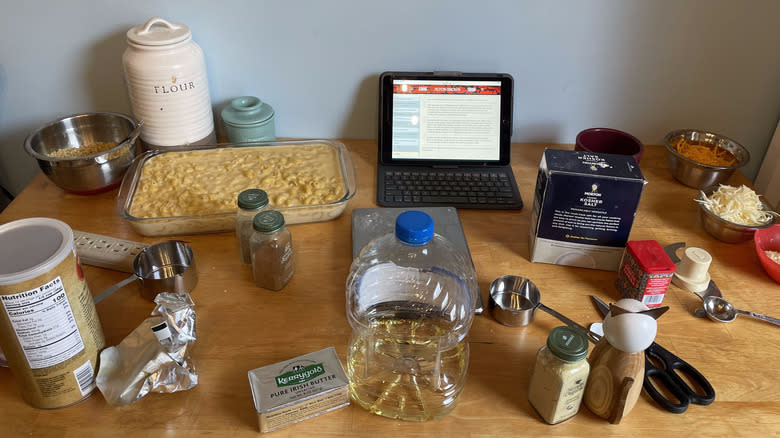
x: 733, y: 214
x: 702, y: 159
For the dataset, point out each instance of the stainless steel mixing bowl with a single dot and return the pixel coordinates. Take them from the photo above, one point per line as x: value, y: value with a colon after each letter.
x: 86, y: 174
x: 727, y: 231
x: 699, y: 175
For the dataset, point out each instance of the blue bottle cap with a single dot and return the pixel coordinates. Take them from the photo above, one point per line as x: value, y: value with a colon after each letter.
x: 414, y: 227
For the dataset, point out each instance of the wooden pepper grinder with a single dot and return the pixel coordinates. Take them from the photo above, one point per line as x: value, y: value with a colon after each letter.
x: 617, y: 362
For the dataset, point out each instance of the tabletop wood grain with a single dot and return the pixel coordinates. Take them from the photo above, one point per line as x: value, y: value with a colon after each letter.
x: 241, y: 327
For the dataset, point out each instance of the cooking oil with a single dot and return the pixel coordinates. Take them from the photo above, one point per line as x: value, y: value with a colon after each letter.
x: 407, y: 368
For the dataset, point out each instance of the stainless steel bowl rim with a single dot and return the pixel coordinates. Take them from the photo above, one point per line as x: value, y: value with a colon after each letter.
x: 32, y: 152
x: 720, y: 220
x: 679, y: 132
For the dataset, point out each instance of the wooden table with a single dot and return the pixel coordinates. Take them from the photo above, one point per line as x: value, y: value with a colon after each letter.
x: 241, y: 327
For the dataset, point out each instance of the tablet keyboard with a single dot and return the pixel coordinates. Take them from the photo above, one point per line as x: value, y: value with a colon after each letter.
x: 465, y: 189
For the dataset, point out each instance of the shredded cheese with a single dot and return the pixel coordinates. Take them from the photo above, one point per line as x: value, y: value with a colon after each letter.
x: 774, y: 255
x: 739, y: 205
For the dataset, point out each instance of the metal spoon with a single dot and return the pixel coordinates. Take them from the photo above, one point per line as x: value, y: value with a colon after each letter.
x: 720, y: 310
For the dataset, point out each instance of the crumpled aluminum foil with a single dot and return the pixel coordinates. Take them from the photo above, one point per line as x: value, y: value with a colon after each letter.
x: 155, y: 357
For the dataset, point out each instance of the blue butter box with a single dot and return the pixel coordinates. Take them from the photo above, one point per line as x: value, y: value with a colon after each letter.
x: 584, y: 207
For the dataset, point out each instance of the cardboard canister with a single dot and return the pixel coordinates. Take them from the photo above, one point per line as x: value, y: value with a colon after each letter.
x: 49, y: 328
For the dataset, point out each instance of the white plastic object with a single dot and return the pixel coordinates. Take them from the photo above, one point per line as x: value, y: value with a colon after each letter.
x: 105, y: 251
x: 692, y: 270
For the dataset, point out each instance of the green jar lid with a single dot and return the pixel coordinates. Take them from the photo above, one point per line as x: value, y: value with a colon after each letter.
x: 247, y: 111
x: 567, y: 343
x: 268, y: 221
x: 252, y: 199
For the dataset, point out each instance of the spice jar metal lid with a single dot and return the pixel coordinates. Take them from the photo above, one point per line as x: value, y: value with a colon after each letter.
x: 268, y: 221
x: 252, y: 199
x: 567, y: 344
x: 246, y: 111
x: 158, y: 32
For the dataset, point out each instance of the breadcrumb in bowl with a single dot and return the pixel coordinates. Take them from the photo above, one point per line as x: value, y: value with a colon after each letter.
x: 768, y: 240
x: 85, y: 153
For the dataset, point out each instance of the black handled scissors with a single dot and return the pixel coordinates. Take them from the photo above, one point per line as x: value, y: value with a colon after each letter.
x: 668, y: 376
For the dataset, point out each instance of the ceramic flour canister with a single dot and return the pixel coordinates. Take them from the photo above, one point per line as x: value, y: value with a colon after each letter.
x: 165, y: 72
x: 247, y: 118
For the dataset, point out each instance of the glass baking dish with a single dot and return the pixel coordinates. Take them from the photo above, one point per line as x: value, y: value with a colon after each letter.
x: 212, y: 222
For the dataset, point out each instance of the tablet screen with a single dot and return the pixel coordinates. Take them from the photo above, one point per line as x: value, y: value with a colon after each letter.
x: 440, y: 120
x: 445, y: 119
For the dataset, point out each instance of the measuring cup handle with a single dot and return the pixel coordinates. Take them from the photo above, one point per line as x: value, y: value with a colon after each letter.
x: 592, y: 337
x: 111, y: 289
x: 760, y: 316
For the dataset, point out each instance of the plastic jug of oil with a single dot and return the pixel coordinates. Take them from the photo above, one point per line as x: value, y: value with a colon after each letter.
x: 411, y: 297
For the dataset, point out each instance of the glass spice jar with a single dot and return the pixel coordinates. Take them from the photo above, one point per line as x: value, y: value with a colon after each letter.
x: 250, y: 202
x: 559, y: 376
x: 272, y: 252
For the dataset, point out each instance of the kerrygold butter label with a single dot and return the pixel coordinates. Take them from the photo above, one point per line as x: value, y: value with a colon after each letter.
x: 300, y: 375
x: 297, y: 389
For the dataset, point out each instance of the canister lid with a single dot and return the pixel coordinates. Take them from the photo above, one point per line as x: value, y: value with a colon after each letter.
x: 650, y: 256
x: 252, y: 199
x: 158, y: 32
x: 414, y: 227
x: 247, y: 110
x: 568, y: 344
x: 31, y: 247
x: 268, y: 221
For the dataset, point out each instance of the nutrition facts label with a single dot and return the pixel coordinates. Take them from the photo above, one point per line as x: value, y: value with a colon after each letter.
x: 44, y: 324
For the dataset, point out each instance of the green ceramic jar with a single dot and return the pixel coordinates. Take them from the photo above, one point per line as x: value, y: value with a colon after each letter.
x: 248, y: 119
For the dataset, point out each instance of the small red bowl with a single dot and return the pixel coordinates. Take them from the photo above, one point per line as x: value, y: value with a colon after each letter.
x: 768, y: 239
x: 609, y: 141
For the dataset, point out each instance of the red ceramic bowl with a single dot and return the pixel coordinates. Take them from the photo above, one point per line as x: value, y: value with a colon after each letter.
x: 768, y: 239
x: 609, y: 141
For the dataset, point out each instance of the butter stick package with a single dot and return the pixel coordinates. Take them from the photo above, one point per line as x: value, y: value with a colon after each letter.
x: 294, y: 390
x: 584, y: 207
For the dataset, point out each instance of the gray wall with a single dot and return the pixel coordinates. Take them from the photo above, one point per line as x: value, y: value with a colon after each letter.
x: 646, y: 67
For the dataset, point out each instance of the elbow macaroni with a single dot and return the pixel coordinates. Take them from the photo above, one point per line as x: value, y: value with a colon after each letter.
x: 203, y: 182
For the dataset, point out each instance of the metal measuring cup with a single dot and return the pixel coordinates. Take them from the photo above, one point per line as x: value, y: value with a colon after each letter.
x: 163, y: 267
x: 514, y: 300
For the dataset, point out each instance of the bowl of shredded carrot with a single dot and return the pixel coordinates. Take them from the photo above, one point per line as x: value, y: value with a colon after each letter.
x: 702, y: 159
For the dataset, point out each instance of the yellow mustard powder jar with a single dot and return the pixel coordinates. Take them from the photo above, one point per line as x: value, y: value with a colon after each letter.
x: 559, y: 376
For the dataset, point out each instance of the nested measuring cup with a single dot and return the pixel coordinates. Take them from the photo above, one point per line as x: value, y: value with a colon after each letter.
x: 410, y: 303
x: 163, y: 267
